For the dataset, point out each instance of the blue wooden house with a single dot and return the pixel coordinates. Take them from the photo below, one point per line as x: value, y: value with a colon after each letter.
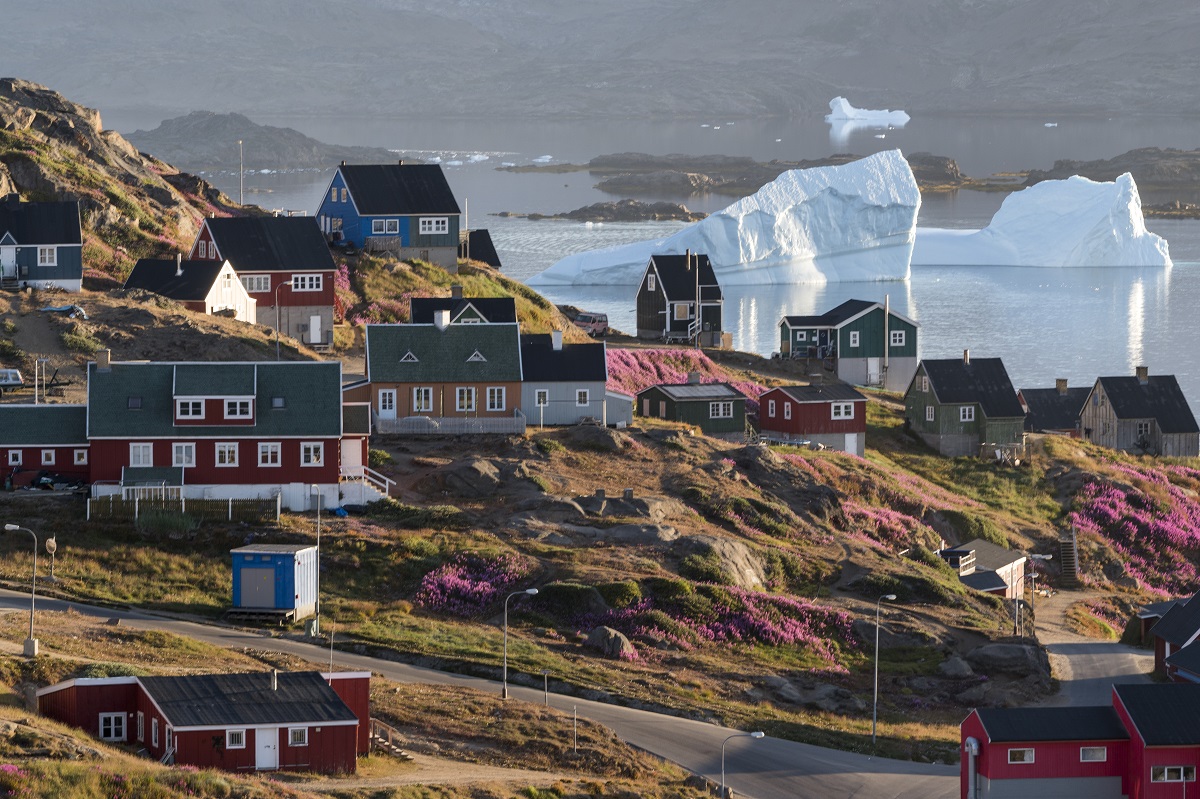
x: 41, y: 244
x: 407, y: 209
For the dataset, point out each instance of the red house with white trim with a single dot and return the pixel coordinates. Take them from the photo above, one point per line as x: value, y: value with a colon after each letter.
x: 44, y: 438
x: 832, y: 415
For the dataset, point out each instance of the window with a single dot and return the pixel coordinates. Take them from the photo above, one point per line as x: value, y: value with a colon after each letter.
x: 682, y: 311
x: 170, y: 734
x: 154, y: 732
x: 651, y: 283
x: 929, y: 413
x: 924, y: 384
x: 235, y: 739
x: 854, y: 338
x: 582, y: 398
x: 423, y: 399
x: 387, y: 400
x: 787, y: 410
x: 141, y: 454
x: 1143, y: 429
x: 257, y: 284
x: 297, y: 736
x: 183, y: 454
x: 465, y: 399
x: 47, y: 457
x: 966, y: 413
x: 312, y: 453
x: 345, y: 195
x: 720, y: 410
x: 227, y: 453
x: 542, y: 397
x: 433, y: 225
x: 189, y: 409
x: 495, y: 398
x: 376, y: 227
x: 771, y: 408
x: 237, y: 409
x: 897, y: 338
x: 112, y: 726
x: 141, y: 726
x: 47, y: 256
x: 134, y: 403
x: 1093, y: 754
x: 842, y: 410
x: 81, y: 457
x: 202, y: 249
x: 391, y: 227
x: 801, y: 335
x: 306, y: 282
x: 333, y: 195
x: 268, y: 454
x: 1172, y: 773
x: 1020, y: 755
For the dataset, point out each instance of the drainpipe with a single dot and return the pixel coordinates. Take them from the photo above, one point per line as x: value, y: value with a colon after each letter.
x: 971, y: 745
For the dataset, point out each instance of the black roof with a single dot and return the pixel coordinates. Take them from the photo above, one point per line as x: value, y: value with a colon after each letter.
x: 989, y: 555
x: 1164, y: 713
x: 1179, y: 623
x: 983, y: 580
x: 1187, y: 659
x: 1021, y: 724
x: 1158, y: 398
x: 697, y: 392
x: 827, y: 392
x: 497, y: 310
x: 574, y: 363
x: 271, y: 243
x: 833, y: 317
x: 1159, y: 609
x: 679, y: 282
x: 203, y: 700
x: 40, y: 223
x: 980, y: 380
x: 478, y: 246
x: 1050, y: 409
x: 159, y: 275
x: 402, y: 189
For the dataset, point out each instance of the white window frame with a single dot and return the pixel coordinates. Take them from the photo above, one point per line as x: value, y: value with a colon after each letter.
x: 234, y: 409
x: 1085, y: 751
x: 170, y: 737
x: 256, y: 284
x: 14, y: 457
x: 333, y: 194
x: 721, y: 409
x: 225, y: 454
x: 391, y: 227
x: 929, y: 413
x: 80, y: 457
x: 154, y: 732
x: 966, y: 413
x: 307, y: 282
x: 841, y: 410
x: 583, y: 398
x: 433, y: 225
x: 802, y: 335
x: 924, y: 384
x: 47, y: 457
x: 141, y: 454
x: 897, y: 337
x: 270, y: 455
x: 202, y: 249
x: 496, y: 398
x: 345, y: 195
x: 787, y: 410
x: 377, y: 227
x: 1163, y: 774
x: 1144, y: 427
x: 312, y: 453
x: 297, y: 736
x: 771, y: 408
x: 115, y: 721
x: 854, y: 338
x: 651, y: 283
x: 542, y: 397
x: 235, y: 739
x: 47, y: 256
x: 464, y: 399
x: 422, y: 399
x: 183, y: 453
x: 1019, y: 760
x: 387, y: 399
x: 141, y: 726
x: 189, y: 409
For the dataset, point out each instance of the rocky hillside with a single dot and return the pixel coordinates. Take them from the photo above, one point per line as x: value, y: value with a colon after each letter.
x: 1151, y: 167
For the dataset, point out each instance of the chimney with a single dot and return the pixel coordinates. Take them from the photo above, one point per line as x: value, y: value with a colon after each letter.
x: 343, y: 162
x: 178, y: 264
x: 104, y: 360
x: 1061, y: 386
x: 1143, y: 374
x: 441, y: 319
x: 966, y: 357
x: 556, y: 340
x: 693, y: 378
x: 456, y: 292
x: 400, y: 162
x: 687, y: 255
x: 274, y: 679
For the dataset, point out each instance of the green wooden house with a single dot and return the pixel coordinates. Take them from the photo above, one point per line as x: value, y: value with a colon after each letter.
x: 964, y: 406
x: 865, y: 343
x: 718, y: 409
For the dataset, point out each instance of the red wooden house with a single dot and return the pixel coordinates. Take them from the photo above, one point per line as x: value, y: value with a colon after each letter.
x: 304, y: 721
x: 833, y: 415
x: 44, y: 438
x: 1178, y: 628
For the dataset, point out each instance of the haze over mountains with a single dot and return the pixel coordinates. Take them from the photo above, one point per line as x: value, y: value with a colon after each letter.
x: 613, y: 58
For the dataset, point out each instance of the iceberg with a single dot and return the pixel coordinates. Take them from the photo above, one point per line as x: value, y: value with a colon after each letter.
x: 845, y: 119
x: 1072, y: 222
x: 851, y: 222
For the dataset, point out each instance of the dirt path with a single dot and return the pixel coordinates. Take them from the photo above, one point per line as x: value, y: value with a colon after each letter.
x: 427, y: 770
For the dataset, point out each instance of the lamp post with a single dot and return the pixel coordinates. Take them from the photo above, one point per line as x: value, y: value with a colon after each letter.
x: 1032, y: 594
x: 504, y: 671
x: 316, y: 492
x: 277, y: 288
x: 31, y: 644
x: 756, y: 734
x: 875, y: 702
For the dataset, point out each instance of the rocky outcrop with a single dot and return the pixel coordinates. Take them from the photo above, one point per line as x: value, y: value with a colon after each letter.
x: 679, y: 184
x: 611, y: 643
x: 1017, y: 660
x: 822, y: 696
x: 737, y: 561
x: 629, y: 210
x: 1151, y: 167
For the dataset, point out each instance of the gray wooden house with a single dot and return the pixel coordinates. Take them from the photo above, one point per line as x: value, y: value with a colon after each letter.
x: 41, y: 244
x: 679, y: 300
x: 718, y: 409
x: 566, y: 383
x: 1142, y: 414
x: 964, y: 406
x: 864, y: 343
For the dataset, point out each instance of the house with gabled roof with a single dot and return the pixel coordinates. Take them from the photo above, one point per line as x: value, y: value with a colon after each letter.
x: 477, y: 245
x: 264, y: 721
x: 41, y: 244
x: 988, y: 568
x: 203, y: 286
x: 1178, y: 628
x: 43, y: 438
x: 964, y: 406
x: 718, y: 409
x: 864, y: 343
x: 407, y: 209
x: 1143, y: 414
x: 830, y: 415
x: 567, y: 383
x: 463, y: 310
x: 284, y: 264
x: 1053, y: 410
x: 679, y: 299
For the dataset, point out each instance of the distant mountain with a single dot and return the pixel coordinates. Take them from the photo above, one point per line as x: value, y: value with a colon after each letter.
x: 617, y: 58
x: 205, y: 140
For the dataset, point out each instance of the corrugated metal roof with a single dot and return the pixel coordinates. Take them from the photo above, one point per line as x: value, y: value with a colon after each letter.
x: 221, y: 700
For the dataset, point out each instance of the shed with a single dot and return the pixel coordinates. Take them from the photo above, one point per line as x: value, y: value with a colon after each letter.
x: 718, y: 409
x: 275, y: 580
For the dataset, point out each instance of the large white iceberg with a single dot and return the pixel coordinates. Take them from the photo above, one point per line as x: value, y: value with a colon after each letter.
x: 840, y: 110
x: 1072, y: 222
x: 851, y: 222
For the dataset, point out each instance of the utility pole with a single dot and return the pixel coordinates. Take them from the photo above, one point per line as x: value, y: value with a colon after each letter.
x: 241, y: 175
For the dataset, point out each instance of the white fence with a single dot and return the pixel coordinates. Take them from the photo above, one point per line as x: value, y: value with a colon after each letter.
x: 451, y: 425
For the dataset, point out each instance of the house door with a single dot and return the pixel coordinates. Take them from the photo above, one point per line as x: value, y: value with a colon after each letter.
x: 387, y: 403
x: 258, y: 588
x: 314, y: 330
x: 873, y: 371
x: 8, y: 261
x: 852, y: 443
x: 351, y: 455
x: 266, y: 745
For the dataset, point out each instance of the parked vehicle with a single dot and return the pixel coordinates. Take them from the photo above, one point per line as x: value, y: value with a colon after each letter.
x: 596, y: 324
x: 10, y: 380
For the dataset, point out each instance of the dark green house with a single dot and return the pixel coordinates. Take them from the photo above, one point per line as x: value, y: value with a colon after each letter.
x: 718, y: 409
x: 863, y: 342
x: 964, y: 406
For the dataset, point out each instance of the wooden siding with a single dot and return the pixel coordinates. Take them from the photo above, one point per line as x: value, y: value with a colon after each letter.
x: 68, y: 266
x: 695, y: 412
x: 808, y: 418
x: 562, y: 398
x: 109, y: 456
x: 81, y: 706
x: 330, y: 750
x: 445, y: 399
x: 355, y: 691
x: 651, y: 308
x: 1102, y: 427
x: 31, y: 463
x: 214, y: 414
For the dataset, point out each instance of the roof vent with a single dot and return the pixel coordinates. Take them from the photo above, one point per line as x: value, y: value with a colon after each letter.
x: 343, y: 162
x: 1143, y: 374
x: 400, y: 162
x: 966, y: 357
x: 1061, y: 386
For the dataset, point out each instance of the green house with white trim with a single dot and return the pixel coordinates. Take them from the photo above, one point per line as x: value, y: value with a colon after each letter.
x: 864, y: 343
x: 964, y: 406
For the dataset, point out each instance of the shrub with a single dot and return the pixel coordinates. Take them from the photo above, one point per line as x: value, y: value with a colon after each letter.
x: 549, y: 446
x: 620, y: 595
x: 970, y: 527
x: 111, y: 670
x: 77, y: 339
x: 379, y: 457
x: 437, y: 517
x: 470, y: 583
x: 704, y: 568
x: 569, y: 600
x: 666, y: 589
x: 10, y: 352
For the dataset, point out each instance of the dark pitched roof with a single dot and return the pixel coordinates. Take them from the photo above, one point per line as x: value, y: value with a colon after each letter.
x: 1179, y: 623
x: 981, y: 380
x: 1021, y: 724
x: 458, y: 354
x: 478, y: 246
x: 33, y: 425
x: 679, y: 282
x: 1050, y: 409
x: 1159, y: 609
x: 493, y: 309
x: 1159, y: 398
x: 1164, y: 713
x: 271, y: 243
x: 159, y: 275
x: 983, y: 581
x: 574, y: 363
x: 989, y: 556
x: 698, y: 392
x: 219, y: 700
x: 356, y: 418
x: 833, y: 317
x: 1187, y: 659
x: 40, y: 223
x: 402, y: 189
x: 828, y: 392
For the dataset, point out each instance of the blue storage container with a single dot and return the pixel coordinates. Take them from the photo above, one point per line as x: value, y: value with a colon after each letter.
x: 275, y: 577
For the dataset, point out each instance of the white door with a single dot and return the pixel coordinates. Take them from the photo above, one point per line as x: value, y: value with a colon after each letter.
x: 387, y: 403
x: 872, y: 371
x: 852, y: 443
x: 314, y: 330
x: 8, y: 261
x: 266, y: 744
x: 351, y: 455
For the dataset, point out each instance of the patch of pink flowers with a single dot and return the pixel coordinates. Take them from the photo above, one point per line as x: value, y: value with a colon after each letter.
x: 469, y: 584
x: 884, y: 525
x: 1102, y: 612
x: 633, y: 370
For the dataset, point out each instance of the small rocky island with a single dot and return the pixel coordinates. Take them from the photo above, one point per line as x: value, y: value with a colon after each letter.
x: 621, y: 211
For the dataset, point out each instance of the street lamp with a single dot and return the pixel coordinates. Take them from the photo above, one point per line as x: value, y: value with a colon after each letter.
x: 504, y: 688
x: 316, y: 491
x: 277, y: 288
x: 875, y: 703
x: 756, y: 734
x: 31, y: 644
x: 1033, y: 594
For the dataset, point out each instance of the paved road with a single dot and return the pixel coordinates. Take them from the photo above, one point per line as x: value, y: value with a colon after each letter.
x: 766, y: 769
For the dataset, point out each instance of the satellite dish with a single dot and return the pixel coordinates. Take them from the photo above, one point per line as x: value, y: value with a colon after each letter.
x: 51, y: 545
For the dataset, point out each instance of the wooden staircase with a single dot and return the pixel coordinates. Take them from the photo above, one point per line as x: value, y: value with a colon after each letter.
x: 383, y: 739
x: 1068, y: 558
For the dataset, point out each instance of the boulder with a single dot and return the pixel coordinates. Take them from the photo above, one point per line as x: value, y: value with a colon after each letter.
x: 474, y: 478
x: 611, y: 643
x: 739, y: 562
x: 955, y: 667
x: 598, y: 439
x: 832, y: 699
x: 1019, y: 660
